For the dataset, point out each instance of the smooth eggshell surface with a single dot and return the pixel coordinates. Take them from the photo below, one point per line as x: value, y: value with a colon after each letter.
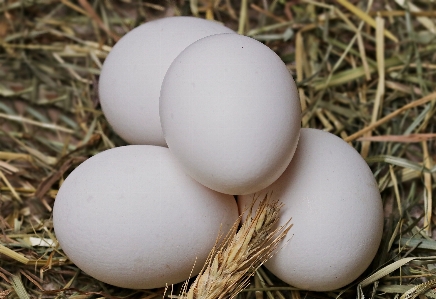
x: 130, y: 217
x: 132, y: 74
x: 230, y: 113
x: 337, y: 215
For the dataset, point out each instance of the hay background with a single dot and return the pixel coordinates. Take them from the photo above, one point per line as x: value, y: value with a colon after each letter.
x: 353, y: 66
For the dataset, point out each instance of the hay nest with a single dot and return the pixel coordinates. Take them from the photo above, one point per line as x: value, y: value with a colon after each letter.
x: 365, y: 70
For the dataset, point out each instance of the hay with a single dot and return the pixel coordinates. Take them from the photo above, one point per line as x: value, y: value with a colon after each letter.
x: 365, y: 71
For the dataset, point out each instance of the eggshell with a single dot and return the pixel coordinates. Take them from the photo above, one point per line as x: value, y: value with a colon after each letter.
x: 335, y: 205
x: 131, y: 217
x: 230, y: 113
x: 132, y: 74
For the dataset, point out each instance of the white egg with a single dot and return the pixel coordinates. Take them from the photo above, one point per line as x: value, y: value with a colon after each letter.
x: 230, y: 113
x: 131, y: 217
x: 335, y: 205
x: 132, y: 74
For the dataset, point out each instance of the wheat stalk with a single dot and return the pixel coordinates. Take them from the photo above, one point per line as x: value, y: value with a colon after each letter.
x: 230, y: 264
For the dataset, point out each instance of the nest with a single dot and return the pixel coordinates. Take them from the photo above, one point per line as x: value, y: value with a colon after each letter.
x: 365, y: 72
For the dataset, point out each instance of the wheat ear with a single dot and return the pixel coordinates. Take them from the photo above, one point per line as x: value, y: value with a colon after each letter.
x: 231, y: 263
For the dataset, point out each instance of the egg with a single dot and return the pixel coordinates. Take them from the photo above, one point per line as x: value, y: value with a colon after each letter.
x: 332, y: 197
x: 230, y: 113
x: 130, y: 217
x: 132, y: 74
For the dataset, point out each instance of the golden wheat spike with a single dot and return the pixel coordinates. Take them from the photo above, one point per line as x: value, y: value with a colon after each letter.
x: 230, y: 265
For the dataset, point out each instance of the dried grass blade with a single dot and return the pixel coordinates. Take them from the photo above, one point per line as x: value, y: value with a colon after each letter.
x: 396, y: 190
x: 13, y: 255
x: 36, y: 123
x: 11, y: 188
x: 299, y: 52
x: 19, y: 288
x: 428, y: 198
x: 391, y: 268
x: 419, y: 137
x: 365, y: 17
x: 378, y: 103
x: 391, y: 115
x: 243, y: 17
x: 74, y: 7
x: 396, y: 161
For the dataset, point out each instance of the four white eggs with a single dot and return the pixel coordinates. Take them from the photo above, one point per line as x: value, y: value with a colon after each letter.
x: 141, y: 216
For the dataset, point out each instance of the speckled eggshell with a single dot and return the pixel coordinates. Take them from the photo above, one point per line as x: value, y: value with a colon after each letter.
x: 230, y: 113
x: 337, y: 215
x: 130, y: 217
x: 132, y: 74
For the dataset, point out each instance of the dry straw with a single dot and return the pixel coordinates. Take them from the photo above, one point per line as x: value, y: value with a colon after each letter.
x: 230, y: 265
x: 51, y: 54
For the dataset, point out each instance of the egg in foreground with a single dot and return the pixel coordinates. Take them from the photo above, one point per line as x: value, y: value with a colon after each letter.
x: 230, y: 113
x: 132, y: 74
x: 130, y: 217
x: 337, y: 214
